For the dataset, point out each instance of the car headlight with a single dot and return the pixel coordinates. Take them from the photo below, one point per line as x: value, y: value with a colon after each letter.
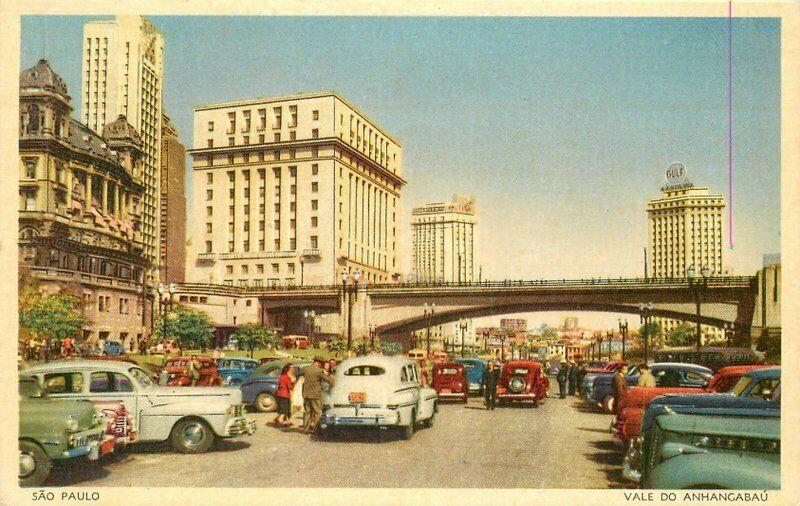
x: 72, y: 423
x: 98, y: 417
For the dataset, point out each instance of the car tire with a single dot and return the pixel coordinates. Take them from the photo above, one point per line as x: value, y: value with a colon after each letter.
x: 608, y: 404
x: 192, y: 435
x: 266, y: 403
x: 36, y: 462
x: 429, y: 422
x: 406, y: 431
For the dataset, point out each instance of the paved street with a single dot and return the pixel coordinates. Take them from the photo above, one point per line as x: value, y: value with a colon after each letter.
x: 560, y: 444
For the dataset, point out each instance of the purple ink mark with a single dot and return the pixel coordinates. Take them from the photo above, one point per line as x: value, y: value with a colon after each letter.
x: 730, y: 124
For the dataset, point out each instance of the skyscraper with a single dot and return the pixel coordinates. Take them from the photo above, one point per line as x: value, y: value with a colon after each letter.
x: 685, y: 229
x: 122, y: 74
x: 173, y: 204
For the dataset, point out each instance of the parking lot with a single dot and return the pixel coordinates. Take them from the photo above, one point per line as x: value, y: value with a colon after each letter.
x: 560, y: 444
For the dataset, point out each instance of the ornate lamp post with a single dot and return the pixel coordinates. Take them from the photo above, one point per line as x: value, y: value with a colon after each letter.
x: 609, y: 337
x: 462, y: 324
x: 698, y: 285
x: 644, y: 312
x: 428, y: 313
x: 166, y: 305
x: 346, y: 300
x: 623, y: 329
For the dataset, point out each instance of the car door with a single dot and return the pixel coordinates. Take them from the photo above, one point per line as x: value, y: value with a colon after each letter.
x: 110, y: 386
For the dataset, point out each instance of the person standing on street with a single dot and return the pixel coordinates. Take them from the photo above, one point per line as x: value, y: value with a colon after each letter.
x: 581, y: 374
x: 562, y: 379
x: 646, y: 378
x: 193, y: 368
x: 489, y: 380
x: 313, y: 376
x: 620, y: 387
x: 284, y: 395
x: 572, y: 376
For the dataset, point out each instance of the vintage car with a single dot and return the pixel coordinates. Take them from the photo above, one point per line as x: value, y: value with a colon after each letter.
x: 234, y: 370
x: 113, y: 348
x: 759, y: 389
x: 153, y: 369
x: 294, y: 342
x: 600, y: 390
x: 475, y: 368
x: 450, y: 381
x: 258, y: 389
x: 522, y: 380
x: 191, y: 418
x: 176, y: 371
x: 632, y: 406
x: 714, y: 448
x: 378, y: 391
x: 55, y: 429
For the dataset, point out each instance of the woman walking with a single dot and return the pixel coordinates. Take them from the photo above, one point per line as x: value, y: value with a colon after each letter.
x: 284, y: 395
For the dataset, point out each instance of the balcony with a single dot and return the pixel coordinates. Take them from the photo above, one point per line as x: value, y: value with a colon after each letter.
x: 242, y: 255
x: 311, y: 253
x: 206, y: 257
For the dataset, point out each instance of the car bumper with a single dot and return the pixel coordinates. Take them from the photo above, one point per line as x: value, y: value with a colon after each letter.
x: 87, y: 443
x: 631, y: 464
x: 239, y: 426
x: 474, y: 387
x: 452, y: 395
x: 364, y: 417
x: 518, y: 397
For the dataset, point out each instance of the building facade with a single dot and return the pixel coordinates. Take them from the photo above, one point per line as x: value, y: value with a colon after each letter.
x: 291, y: 191
x: 685, y: 230
x: 514, y: 324
x: 80, y: 214
x: 443, y: 235
x: 173, y: 205
x: 122, y: 73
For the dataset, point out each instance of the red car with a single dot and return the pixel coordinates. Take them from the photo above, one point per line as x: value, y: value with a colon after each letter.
x: 522, y: 380
x: 450, y: 381
x: 609, y: 367
x: 177, y: 372
x: 634, y: 403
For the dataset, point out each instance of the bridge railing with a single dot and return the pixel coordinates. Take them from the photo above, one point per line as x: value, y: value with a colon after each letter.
x: 507, y: 283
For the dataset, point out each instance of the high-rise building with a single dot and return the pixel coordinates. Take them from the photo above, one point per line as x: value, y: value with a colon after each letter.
x: 173, y: 204
x: 685, y: 230
x: 290, y: 191
x: 80, y: 209
x: 122, y: 73
x: 443, y: 237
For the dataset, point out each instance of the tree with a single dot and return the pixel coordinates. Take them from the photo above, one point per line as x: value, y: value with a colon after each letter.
x: 682, y: 335
x: 191, y: 327
x: 255, y: 335
x: 549, y: 334
x: 362, y: 348
x: 338, y: 346
x: 648, y: 331
x: 50, y: 317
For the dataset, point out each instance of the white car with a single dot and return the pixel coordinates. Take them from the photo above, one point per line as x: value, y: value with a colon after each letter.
x: 192, y: 418
x: 378, y: 391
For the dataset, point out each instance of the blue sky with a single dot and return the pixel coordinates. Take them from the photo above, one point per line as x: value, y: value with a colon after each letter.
x: 560, y: 127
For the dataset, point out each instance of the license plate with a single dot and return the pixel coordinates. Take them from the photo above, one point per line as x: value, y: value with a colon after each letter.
x: 358, y: 397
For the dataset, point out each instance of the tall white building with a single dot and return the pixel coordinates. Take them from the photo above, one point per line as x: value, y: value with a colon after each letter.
x: 685, y: 229
x: 122, y: 74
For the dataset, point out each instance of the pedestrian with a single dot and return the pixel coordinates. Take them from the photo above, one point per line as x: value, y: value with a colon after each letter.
x: 572, y: 376
x: 620, y: 387
x: 562, y: 379
x: 646, y: 378
x: 581, y: 374
x: 193, y: 368
x: 313, y: 377
x: 489, y: 380
x: 284, y: 395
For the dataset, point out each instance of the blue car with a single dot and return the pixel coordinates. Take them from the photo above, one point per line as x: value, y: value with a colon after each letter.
x: 234, y: 370
x: 474, y: 368
x: 601, y: 389
x: 258, y: 389
x: 113, y: 348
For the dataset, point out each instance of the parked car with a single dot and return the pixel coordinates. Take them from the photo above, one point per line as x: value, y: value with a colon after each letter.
x: 381, y: 392
x: 712, y: 357
x: 234, y: 370
x: 153, y: 369
x: 177, y: 372
x: 600, y: 390
x: 191, y: 418
x: 759, y: 389
x: 258, y: 389
x: 113, y: 348
x: 718, y: 449
x: 522, y: 380
x: 55, y: 430
x: 475, y: 368
x: 298, y: 342
x: 626, y: 425
x: 450, y: 381
x: 595, y: 366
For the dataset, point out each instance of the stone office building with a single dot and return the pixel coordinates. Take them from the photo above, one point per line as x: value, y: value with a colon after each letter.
x: 80, y: 198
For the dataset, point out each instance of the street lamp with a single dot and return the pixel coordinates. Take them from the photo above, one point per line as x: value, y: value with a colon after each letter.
x: 623, y: 329
x: 462, y: 324
x: 698, y: 285
x: 428, y: 313
x: 644, y: 314
x: 609, y: 337
x: 346, y: 300
x: 166, y: 306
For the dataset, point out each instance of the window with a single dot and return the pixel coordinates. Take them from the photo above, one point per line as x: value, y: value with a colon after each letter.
x: 230, y: 246
x: 246, y: 127
x: 231, y: 122
x: 103, y: 382
x: 292, y: 135
x: 275, y: 268
x: 262, y: 119
x: 292, y: 154
x: 210, y: 126
x: 210, y: 143
x: 365, y: 370
x: 260, y: 268
x: 30, y: 169
x: 315, y: 204
x: 245, y: 269
x: 209, y: 194
x: 230, y: 141
x: 278, y: 116
x: 315, y: 133
x: 246, y: 226
x: 210, y: 161
x: 276, y: 137
x: 291, y: 268
x: 231, y: 159
x: 63, y: 383
x: 315, y: 114
x: 314, y: 242
x: 210, y: 177
x: 292, y: 116
x: 313, y: 221
x: 314, y: 169
x: 314, y: 187
x: 208, y: 247
x: 229, y: 269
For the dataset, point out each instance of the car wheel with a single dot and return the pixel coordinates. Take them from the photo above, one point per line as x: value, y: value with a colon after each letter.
x: 34, y: 464
x: 429, y: 421
x: 608, y: 404
x: 192, y: 436
x: 406, y: 431
x: 266, y: 403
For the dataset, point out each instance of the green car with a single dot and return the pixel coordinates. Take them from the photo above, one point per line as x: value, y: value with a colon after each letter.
x: 53, y: 429
x: 708, y: 451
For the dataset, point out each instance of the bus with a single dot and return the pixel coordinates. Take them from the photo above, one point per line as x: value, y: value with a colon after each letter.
x: 712, y: 357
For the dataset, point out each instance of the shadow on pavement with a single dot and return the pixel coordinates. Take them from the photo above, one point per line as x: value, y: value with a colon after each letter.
x: 592, y: 429
x: 74, y: 473
x: 609, y: 456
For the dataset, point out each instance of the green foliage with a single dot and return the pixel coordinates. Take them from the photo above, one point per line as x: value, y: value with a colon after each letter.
x: 391, y: 348
x: 362, y: 348
x: 51, y: 317
x: 684, y: 334
x: 650, y: 330
x: 337, y: 347
x: 191, y: 327
x: 254, y: 336
x: 549, y: 333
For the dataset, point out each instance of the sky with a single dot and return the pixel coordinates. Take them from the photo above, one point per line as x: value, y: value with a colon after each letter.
x: 560, y: 127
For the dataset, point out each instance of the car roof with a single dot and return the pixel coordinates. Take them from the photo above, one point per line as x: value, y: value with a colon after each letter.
x: 680, y: 365
x: 65, y: 365
x: 769, y: 373
x: 241, y: 359
x: 377, y: 360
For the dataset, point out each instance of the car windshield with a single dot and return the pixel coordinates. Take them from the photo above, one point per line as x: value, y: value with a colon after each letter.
x: 365, y: 370
x: 229, y: 364
x: 742, y: 385
x: 141, y: 377
x: 30, y: 388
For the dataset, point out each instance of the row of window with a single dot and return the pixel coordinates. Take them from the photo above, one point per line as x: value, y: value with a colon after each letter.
x: 276, y: 117
x: 313, y: 244
x: 259, y: 268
